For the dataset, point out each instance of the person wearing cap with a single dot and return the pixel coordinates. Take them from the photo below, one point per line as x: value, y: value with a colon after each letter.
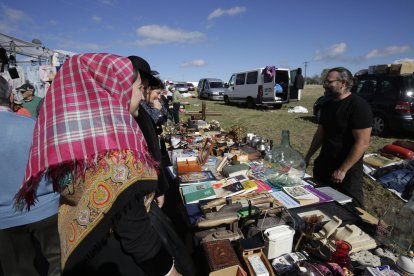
x: 19, y: 109
x: 21, y: 233
x: 30, y: 101
x: 98, y: 159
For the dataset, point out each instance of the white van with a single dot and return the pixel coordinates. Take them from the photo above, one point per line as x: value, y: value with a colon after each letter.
x: 259, y: 87
x: 212, y: 89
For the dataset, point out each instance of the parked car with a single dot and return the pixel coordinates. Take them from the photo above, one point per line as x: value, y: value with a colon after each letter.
x: 190, y: 86
x: 181, y: 87
x: 212, y: 89
x: 318, y: 105
x: 391, y: 98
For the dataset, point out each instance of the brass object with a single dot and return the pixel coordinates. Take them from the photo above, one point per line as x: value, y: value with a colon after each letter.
x: 238, y: 133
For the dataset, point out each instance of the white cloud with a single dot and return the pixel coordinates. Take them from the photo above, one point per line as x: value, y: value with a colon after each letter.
x: 156, y: 34
x: 220, y: 12
x: 388, y: 51
x: 194, y: 63
x: 334, y: 51
x: 15, y: 15
x: 96, y: 19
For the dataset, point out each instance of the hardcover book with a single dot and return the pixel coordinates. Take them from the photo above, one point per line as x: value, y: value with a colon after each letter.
x: 220, y: 254
x: 262, y: 186
x: 249, y: 186
x: 196, y: 192
x: 196, y: 177
x: 321, y: 195
x: 335, y: 194
x: 285, y: 200
x: 234, y: 170
x: 301, y: 195
x: 230, y: 190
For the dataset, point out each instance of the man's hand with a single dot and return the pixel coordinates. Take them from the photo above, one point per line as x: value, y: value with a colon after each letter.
x: 338, y: 176
x: 160, y: 200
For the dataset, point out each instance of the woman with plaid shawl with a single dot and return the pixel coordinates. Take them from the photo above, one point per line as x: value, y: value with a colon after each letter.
x: 89, y: 145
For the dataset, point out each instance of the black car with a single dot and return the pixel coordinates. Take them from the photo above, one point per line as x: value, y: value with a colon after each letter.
x: 190, y: 86
x: 391, y: 98
x: 319, y: 103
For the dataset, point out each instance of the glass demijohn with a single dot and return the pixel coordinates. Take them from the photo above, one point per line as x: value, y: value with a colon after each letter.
x: 285, y: 166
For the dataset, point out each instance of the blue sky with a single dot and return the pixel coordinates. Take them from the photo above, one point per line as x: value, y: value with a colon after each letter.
x: 188, y: 40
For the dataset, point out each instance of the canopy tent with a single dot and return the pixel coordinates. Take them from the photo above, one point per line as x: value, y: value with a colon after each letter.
x: 29, y: 49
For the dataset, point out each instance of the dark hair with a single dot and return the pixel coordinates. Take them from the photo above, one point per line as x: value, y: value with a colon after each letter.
x: 344, y: 74
x: 4, y: 92
x: 158, y: 85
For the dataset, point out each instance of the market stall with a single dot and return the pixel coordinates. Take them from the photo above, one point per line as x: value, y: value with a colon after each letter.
x: 267, y: 223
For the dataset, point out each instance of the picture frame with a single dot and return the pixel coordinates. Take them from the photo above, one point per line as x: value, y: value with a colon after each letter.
x: 206, y: 150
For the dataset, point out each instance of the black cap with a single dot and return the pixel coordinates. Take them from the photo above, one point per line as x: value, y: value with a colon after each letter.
x: 144, y: 68
x: 26, y: 87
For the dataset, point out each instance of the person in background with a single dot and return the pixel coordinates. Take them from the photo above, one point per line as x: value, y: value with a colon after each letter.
x: 30, y: 101
x: 97, y: 157
x: 19, y: 109
x: 147, y: 120
x: 21, y: 232
x: 176, y: 104
x: 153, y: 100
x: 344, y: 133
x: 299, y: 82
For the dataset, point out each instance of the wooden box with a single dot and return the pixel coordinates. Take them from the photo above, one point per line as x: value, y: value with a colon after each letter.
x: 254, y: 247
x: 193, y: 164
x: 261, y: 256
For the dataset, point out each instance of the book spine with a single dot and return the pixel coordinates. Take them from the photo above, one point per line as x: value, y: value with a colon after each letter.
x: 322, y: 196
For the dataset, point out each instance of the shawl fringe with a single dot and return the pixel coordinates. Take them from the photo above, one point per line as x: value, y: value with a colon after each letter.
x: 66, y: 173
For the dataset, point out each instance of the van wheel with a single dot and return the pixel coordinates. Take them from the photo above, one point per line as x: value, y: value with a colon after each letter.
x: 210, y: 97
x: 277, y: 106
x: 226, y: 100
x: 379, y: 126
x: 250, y: 103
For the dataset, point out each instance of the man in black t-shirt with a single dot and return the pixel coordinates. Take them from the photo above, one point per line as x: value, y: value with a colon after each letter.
x: 344, y: 133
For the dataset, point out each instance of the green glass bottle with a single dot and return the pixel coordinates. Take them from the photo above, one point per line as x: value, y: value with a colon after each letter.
x: 286, y: 166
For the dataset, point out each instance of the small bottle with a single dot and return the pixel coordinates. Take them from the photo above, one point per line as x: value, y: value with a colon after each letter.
x: 385, y: 225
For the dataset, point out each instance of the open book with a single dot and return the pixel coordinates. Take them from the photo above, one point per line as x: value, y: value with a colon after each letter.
x: 301, y: 195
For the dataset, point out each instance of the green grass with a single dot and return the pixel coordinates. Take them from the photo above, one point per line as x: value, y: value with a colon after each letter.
x: 269, y: 122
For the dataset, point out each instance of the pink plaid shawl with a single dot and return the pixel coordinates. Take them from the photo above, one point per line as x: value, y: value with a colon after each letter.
x: 85, y: 114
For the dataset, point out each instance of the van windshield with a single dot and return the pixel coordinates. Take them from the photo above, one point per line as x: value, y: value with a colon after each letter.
x: 216, y: 84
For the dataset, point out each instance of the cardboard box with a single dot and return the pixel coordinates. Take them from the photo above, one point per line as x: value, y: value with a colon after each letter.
x: 404, y: 68
x: 234, y: 270
x: 265, y: 261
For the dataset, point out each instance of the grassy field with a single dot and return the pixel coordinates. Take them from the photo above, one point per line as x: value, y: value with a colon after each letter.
x: 269, y: 122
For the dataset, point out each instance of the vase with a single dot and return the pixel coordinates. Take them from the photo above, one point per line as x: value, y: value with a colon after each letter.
x: 285, y: 166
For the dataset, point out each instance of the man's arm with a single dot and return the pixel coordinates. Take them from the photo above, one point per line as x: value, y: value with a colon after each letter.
x: 315, y: 144
x: 362, y: 138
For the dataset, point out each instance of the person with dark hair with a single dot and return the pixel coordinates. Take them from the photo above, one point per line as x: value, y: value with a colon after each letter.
x: 299, y: 82
x: 344, y: 133
x: 21, y: 233
x: 98, y: 159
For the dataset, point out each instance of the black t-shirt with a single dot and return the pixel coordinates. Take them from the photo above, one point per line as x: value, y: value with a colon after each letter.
x: 338, y: 119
